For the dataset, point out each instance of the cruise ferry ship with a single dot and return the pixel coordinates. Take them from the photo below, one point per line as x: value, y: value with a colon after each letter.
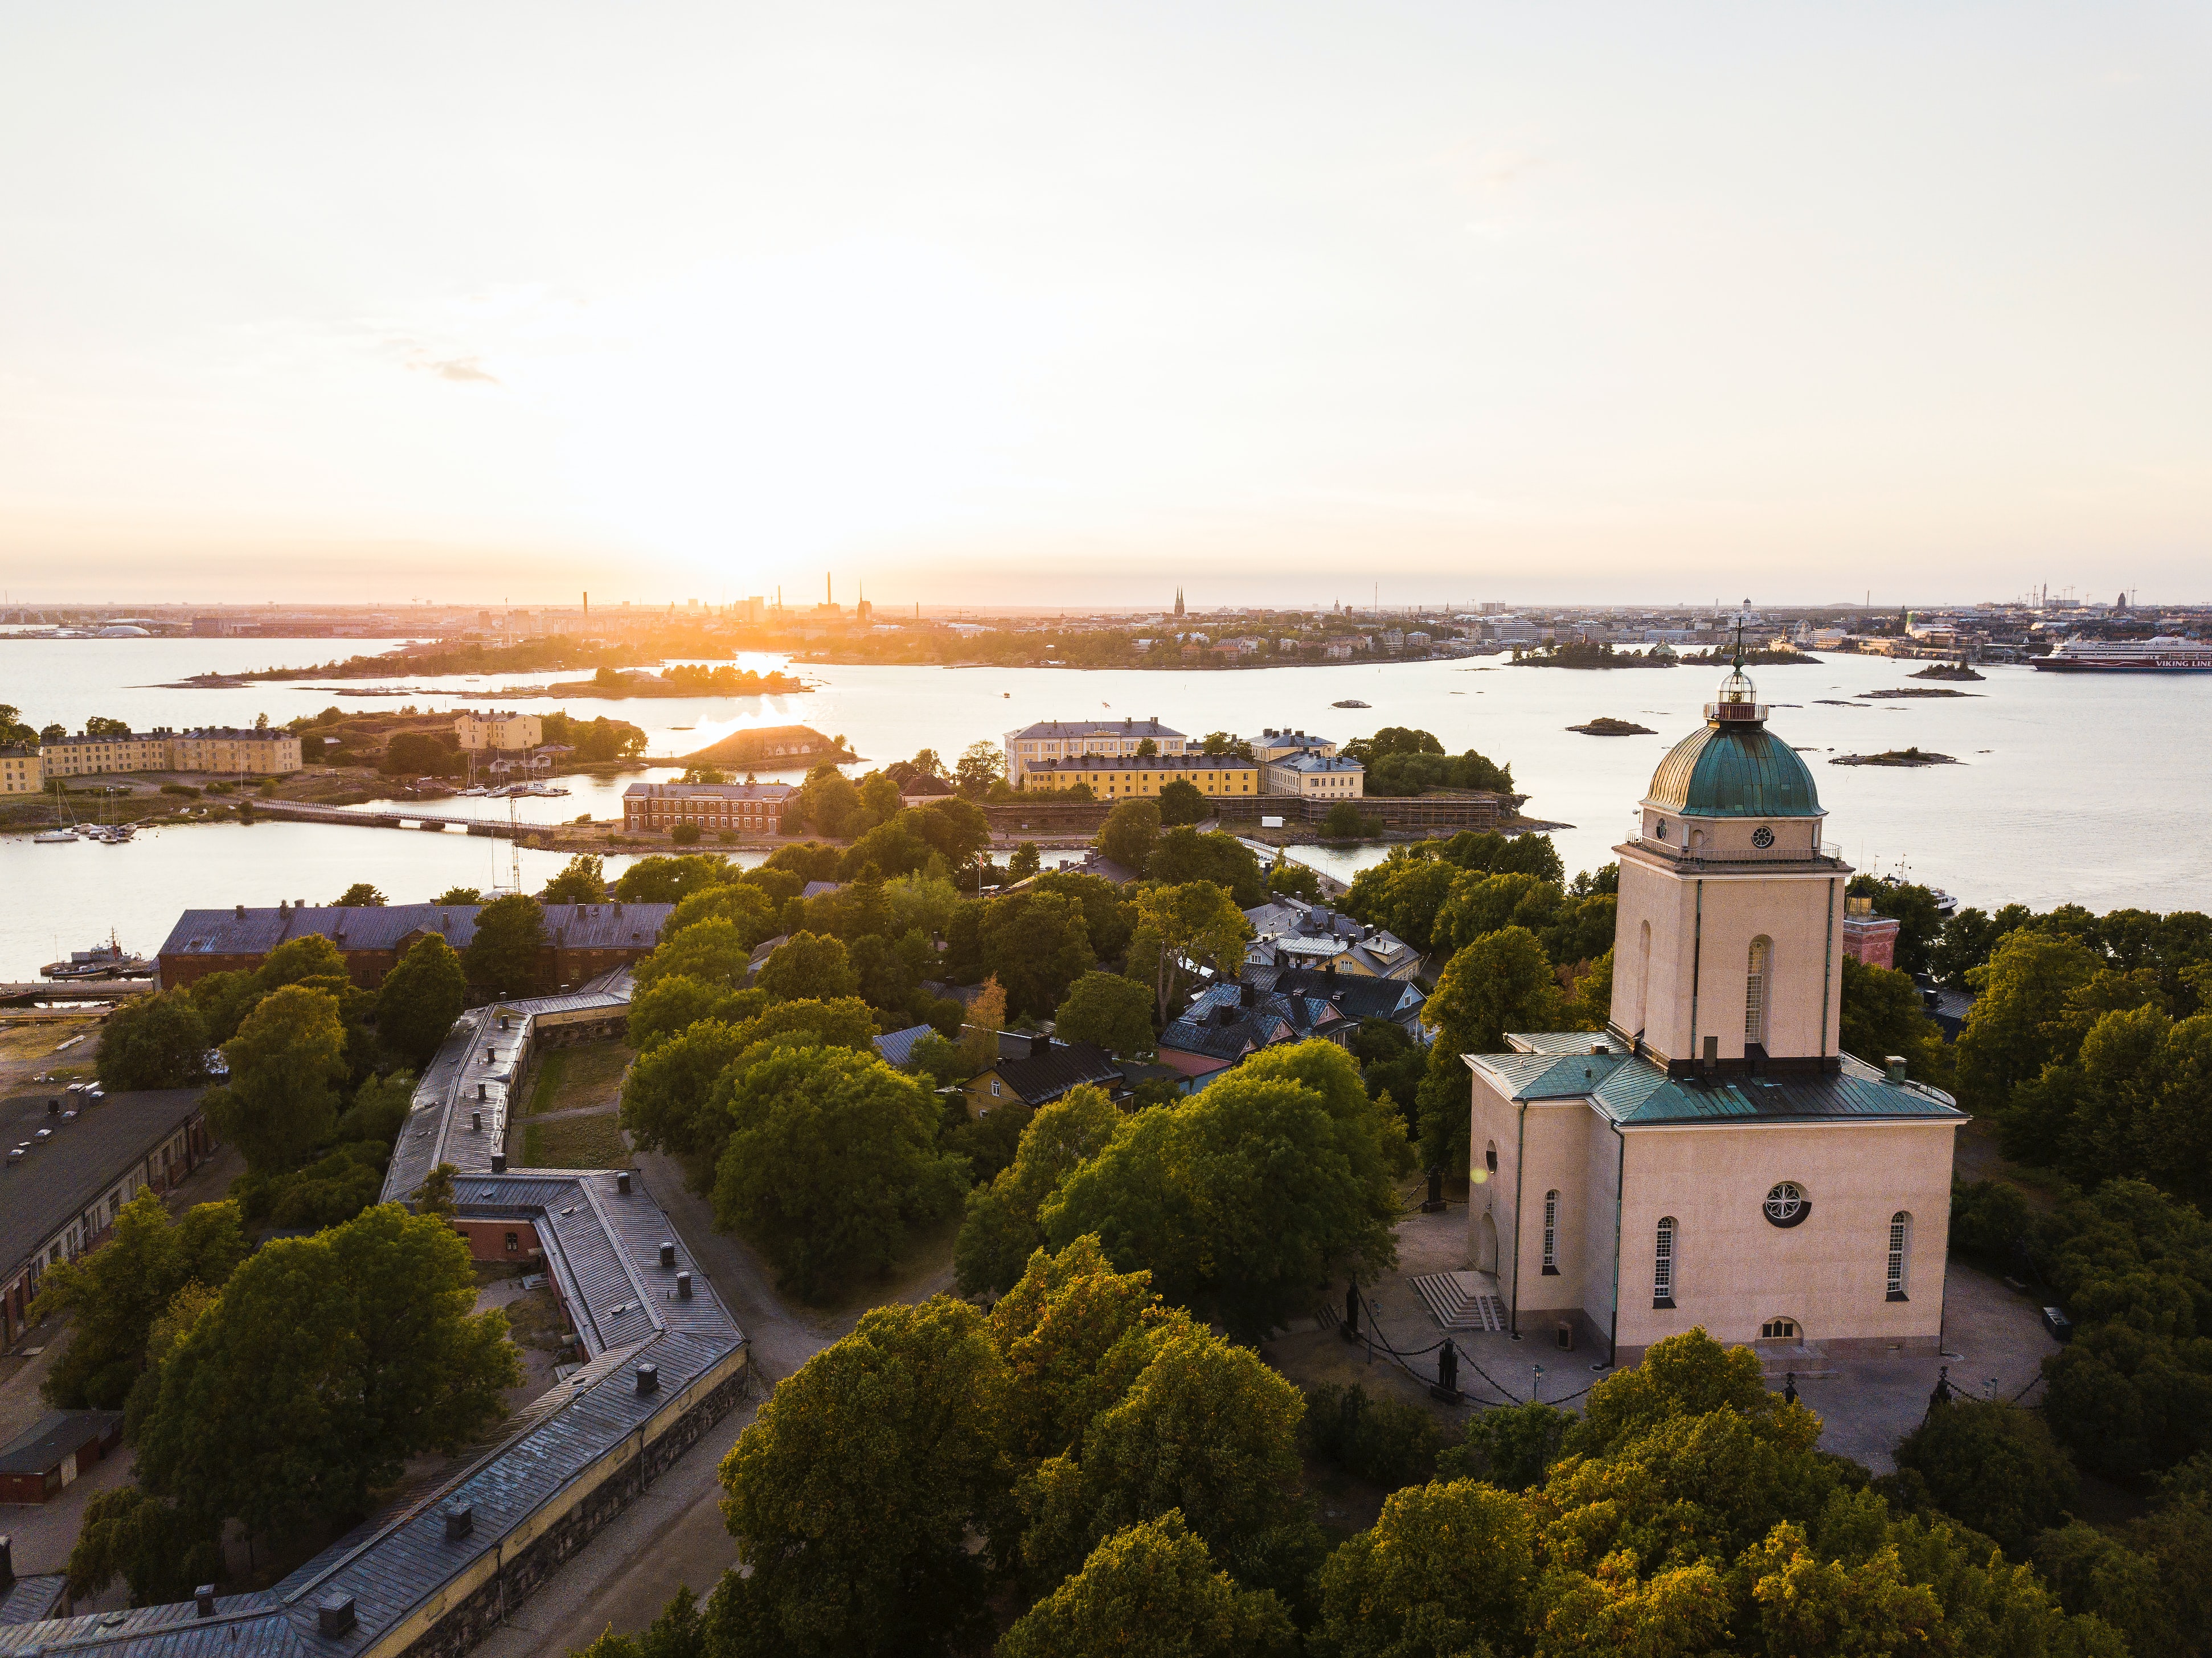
x: 2164, y: 654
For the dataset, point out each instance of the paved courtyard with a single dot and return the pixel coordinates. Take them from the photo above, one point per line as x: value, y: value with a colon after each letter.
x: 1867, y: 1404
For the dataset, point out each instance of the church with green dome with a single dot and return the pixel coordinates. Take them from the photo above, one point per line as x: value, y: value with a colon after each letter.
x: 1714, y: 1158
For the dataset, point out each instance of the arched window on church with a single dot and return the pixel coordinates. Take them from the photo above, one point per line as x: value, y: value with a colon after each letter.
x: 1900, y: 1253
x: 1754, y: 991
x: 1642, y: 977
x: 1551, y: 1231
x: 1662, y: 1264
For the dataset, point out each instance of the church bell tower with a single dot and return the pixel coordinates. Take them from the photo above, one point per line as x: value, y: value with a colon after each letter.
x: 1729, y: 933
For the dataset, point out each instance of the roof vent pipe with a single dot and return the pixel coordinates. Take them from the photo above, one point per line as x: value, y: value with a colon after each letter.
x: 480, y: 1092
x: 622, y: 1182
x: 476, y: 1122
x: 1893, y: 1066
x: 204, y: 1600
x: 499, y: 1163
x: 648, y: 1378
x: 460, y: 1521
x: 683, y: 1286
x: 667, y: 1253
x: 334, y: 1616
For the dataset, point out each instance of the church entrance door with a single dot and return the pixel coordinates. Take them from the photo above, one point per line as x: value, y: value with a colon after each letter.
x: 1485, y: 1244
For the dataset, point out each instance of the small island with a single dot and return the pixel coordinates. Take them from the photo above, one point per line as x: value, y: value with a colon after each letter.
x: 1349, y: 703
x: 1606, y: 725
x: 682, y: 679
x: 1947, y: 671
x: 772, y: 748
x: 1896, y: 757
x: 1581, y: 654
x: 1914, y: 690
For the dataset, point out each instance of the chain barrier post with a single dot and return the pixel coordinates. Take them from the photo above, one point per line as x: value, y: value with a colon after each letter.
x: 1447, y: 1382
x: 1351, y: 1327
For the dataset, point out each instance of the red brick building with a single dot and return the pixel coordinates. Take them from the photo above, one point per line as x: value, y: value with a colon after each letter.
x: 656, y: 808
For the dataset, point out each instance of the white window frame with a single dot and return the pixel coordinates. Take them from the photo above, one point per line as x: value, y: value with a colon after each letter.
x: 1552, y: 1231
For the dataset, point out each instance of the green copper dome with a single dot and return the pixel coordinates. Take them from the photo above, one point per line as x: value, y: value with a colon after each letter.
x: 1734, y: 771
x: 1735, y: 768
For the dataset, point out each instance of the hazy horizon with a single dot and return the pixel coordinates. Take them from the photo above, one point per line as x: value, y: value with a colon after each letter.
x: 1079, y: 304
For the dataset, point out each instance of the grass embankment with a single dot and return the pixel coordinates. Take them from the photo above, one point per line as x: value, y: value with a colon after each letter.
x: 584, y: 1080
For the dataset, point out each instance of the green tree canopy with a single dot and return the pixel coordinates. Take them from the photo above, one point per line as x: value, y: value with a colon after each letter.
x: 1995, y: 1466
x: 1180, y: 929
x: 326, y: 1363
x: 1025, y: 862
x: 1113, y: 1012
x: 906, y: 1410
x: 808, y: 967
x: 156, y: 1041
x: 1036, y: 945
x: 1184, y: 854
x: 1205, y: 1194
x: 420, y: 998
x: 2019, y: 1023
x: 1500, y: 982
x: 286, y: 1063
x: 1131, y: 831
x: 667, y: 1092
x: 1000, y: 1229
x: 1447, y: 1568
x: 582, y: 880
x: 673, y: 1003
x: 1205, y: 1427
x: 713, y: 951
x: 1075, y: 1335
x: 1182, y: 803
x: 742, y: 904
x: 1882, y: 1016
x: 670, y: 880
x: 1150, y: 1590
x: 361, y: 895
x: 116, y: 1292
x: 503, y: 956
x: 832, y: 1156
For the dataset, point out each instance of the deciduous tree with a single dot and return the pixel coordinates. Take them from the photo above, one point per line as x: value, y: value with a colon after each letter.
x: 1151, y: 1591
x: 360, y: 896
x: 1000, y: 1230
x: 156, y: 1041
x: 503, y: 956
x: 742, y: 904
x: 1109, y: 1010
x: 1180, y: 929
x: 854, y: 1492
x: 1129, y: 833
x: 1447, y: 1569
x: 420, y: 998
x: 286, y: 1063
x: 808, y: 966
x: 1498, y: 983
x: 582, y: 880
x: 832, y: 1156
x: 1035, y: 943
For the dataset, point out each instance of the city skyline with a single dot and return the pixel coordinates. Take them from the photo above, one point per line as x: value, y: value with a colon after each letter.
x: 1080, y: 307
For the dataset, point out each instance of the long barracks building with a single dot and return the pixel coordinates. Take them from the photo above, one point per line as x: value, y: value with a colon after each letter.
x: 581, y: 940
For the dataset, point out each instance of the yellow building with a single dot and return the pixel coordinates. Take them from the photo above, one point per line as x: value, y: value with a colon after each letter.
x: 1113, y: 778
x: 20, y: 771
x: 88, y: 754
x: 269, y: 752
x: 1714, y: 1158
x: 1317, y: 777
x: 210, y: 748
x: 1071, y: 739
x: 494, y: 730
x: 1271, y: 744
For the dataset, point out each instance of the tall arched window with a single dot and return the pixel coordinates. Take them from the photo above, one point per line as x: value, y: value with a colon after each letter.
x: 1900, y: 1253
x: 1551, y: 1231
x: 1754, y: 991
x: 1643, y: 975
x: 1662, y: 1264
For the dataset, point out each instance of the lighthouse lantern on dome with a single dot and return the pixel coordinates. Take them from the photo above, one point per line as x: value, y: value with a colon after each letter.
x: 1738, y: 701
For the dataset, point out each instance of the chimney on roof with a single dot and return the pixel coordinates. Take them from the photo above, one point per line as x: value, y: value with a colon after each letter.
x: 460, y: 1521
x: 622, y: 1182
x: 683, y: 1286
x: 499, y: 1163
x: 648, y: 1378
x: 204, y: 1600
x: 667, y: 1253
x: 1040, y: 1045
x: 241, y: 912
x: 1245, y: 991
x: 334, y: 1615
x: 7, y: 1561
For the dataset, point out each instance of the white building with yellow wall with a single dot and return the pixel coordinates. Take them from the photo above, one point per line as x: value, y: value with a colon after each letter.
x: 1713, y: 1158
x: 1316, y: 777
x: 492, y: 732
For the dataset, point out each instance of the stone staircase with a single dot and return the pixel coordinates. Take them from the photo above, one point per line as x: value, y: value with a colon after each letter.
x: 1462, y: 1300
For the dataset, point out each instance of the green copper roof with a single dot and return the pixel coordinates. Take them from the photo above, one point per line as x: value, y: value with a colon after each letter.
x: 1739, y: 770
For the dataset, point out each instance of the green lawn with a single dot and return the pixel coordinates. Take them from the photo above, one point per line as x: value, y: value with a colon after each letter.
x: 571, y: 1077
x: 593, y: 1142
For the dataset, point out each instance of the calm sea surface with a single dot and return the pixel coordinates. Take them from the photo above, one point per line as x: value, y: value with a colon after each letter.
x: 2091, y: 789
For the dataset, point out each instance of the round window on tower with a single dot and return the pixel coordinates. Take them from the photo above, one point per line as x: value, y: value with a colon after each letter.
x: 1786, y: 1204
x: 1762, y: 837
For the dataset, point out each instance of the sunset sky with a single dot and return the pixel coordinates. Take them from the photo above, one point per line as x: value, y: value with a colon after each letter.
x: 1073, y: 304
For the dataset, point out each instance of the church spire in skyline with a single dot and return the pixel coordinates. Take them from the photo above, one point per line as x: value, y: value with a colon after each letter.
x: 1178, y: 601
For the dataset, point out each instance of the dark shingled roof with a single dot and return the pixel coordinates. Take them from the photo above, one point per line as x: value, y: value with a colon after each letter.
x: 1036, y: 1078
x: 246, y: 930
x: 44, y: 1444
x: 62, y: 1176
